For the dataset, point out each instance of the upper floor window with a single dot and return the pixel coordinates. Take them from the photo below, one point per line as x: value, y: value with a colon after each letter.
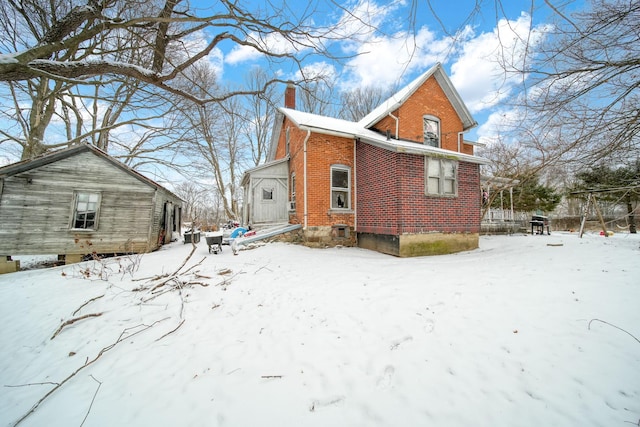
x: 442, y: 177
x: 287, y: 145
x: 85, y: 211
x: 340, y: 187
x: 431, y: 127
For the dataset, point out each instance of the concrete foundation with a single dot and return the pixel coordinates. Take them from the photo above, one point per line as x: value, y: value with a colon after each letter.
x: 410, y: 245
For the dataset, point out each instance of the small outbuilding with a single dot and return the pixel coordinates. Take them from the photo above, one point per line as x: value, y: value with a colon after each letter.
x: 80, y: 201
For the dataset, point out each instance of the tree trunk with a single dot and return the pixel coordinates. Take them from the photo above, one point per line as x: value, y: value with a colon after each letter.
x: 630, y: 216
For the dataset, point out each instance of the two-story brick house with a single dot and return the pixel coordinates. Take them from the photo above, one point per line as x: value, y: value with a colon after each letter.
x: 401, y: 181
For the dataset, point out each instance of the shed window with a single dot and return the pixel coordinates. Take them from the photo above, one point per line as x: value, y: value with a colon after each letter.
x: 441, y: 177
x: 85, y: 211
x: 340, y: 187
x: 267, y: 194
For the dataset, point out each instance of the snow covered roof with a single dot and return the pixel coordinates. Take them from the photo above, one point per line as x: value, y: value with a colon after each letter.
x: 356, y: 130
x: 399, y: 98
x: 51, y: 157
x: 361, y: 130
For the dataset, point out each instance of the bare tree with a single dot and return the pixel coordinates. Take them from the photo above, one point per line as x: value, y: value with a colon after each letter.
x: 581, y: 102
x: 316, y: 96
x: 260, y: 114
x: 54, y: 46
x: 359, y: 102
x: 212, y: 138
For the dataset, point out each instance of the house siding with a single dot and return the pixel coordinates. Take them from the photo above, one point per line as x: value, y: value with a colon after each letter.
x: 323, y: 151
x: 392, y: 199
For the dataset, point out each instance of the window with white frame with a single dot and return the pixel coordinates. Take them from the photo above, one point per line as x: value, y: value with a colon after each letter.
x: 86, y: 207
x: 267, y: 194
x: 431, y: 127
x: 340, y: 187
x: 292, y: 203
x: 441, y: 176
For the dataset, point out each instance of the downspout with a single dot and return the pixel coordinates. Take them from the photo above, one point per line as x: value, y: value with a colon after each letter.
x: 355, y: 187
x: 306, y: 139
x: 460, y: 136
x: 397, y: 124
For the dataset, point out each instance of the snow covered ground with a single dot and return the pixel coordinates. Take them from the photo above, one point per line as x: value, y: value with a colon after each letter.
x: 524, y: 331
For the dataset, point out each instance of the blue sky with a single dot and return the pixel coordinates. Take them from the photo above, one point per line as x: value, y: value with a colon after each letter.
x: 466, y: 37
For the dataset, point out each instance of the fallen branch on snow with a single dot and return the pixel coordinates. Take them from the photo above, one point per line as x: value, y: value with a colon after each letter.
x: 74, y: 320
x: 87, y: 363
x: 612, y: 325
x: 86, y: 303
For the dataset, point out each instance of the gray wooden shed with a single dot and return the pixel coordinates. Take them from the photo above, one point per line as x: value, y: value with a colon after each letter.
x: 266, y: 194
x: 79, y: 201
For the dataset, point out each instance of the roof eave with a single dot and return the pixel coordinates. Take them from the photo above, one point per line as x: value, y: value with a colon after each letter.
x: 424, y: 150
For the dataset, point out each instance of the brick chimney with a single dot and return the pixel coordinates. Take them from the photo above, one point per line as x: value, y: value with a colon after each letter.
x: 290, y: 96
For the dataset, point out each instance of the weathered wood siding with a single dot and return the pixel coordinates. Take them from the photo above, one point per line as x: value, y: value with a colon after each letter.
x: 36, y: 209
x: 271, y: 177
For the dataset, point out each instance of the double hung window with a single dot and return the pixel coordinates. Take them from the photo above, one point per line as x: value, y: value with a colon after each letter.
x: 340, y: 187
x: 441, y: 176
x: 292, y: 205
x: 86, y: 207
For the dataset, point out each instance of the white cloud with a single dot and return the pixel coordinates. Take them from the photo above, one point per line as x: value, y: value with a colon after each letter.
x: 360, y: 21
x: 483, y: 72
x: 274, y: 43
x: 321, y: 69
x: 352, y: 28
x: 383, y: 61
x: 242, y: 53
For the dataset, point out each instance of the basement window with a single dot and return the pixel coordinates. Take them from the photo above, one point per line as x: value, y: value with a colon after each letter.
x: 86, y: 207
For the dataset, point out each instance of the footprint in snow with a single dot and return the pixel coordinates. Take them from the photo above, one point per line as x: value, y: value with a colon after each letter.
x: 387, y: 375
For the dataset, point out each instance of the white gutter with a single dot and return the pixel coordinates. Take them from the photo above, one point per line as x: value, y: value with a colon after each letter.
x: 425, y: 150
x: 326, y: 131
x: 305, y: 177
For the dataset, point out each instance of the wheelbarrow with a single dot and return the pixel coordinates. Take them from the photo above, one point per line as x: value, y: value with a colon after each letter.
x: 214, y: 242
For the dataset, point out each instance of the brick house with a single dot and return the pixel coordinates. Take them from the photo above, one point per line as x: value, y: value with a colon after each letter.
x: 402, y: 180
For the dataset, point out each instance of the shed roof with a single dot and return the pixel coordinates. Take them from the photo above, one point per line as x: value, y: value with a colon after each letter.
x: 45, y: 159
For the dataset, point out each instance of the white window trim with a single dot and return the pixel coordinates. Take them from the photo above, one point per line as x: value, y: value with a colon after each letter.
x: 292, y: 192
x: 438, y: 135
x: 273, y: 194
x: 342, y: 189
x: 441, y: 177
x: 74, y: 210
